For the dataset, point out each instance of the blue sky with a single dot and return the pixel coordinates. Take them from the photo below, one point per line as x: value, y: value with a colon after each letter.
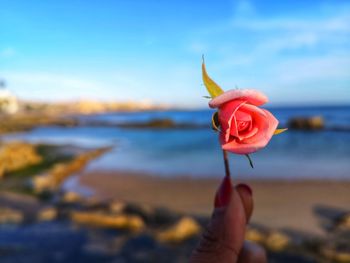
x: 297, y: 52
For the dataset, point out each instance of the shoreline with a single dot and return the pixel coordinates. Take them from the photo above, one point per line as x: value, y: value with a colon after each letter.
x: 278, y: 203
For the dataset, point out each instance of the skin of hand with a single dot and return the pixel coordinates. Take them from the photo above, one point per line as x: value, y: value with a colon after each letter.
x: 223, y: 239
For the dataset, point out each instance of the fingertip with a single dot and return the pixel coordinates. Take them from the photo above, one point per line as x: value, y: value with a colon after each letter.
x: 246, y: 188
x: 223, y: 194
x: 246, y: 194
x: 252, y: 253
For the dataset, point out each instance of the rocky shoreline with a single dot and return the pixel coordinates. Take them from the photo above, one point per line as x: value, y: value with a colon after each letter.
x: 116, y: 230
x: 40, y: 222
x: 26, y: 122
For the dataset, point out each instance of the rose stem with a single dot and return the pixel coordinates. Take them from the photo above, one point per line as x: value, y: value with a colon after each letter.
x: 227, y: 167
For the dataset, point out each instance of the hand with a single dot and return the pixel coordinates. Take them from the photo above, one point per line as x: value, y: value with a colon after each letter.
x: 223, y: 240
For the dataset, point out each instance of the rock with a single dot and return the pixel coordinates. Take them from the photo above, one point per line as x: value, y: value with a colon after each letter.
x: 117, y: 206
x: 17, y: 155
x: 42, y: 183
x: 93, y: 203
x: 47, y: 214
x: 160, y: 124
x: 332, y: 218
x: 184, y: 229
x: 302, y: 239
x: 59, y: 172
x: 311, y: 123
x: 277, y: 241
x: 344, y: 222
x: 27, y: 205
x: 329, y: 212
x: 337, y: 252
x: 163, y: 216
x: 256, y: 235
x: 71, y: 197
x: 99, y: 219
x: 10, y: 216
x: 155, y: 123
x: 144, y: 211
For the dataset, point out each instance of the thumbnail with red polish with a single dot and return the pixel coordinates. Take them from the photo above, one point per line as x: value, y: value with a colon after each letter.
x: 223, y: 195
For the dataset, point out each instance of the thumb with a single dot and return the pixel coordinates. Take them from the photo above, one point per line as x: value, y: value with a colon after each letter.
x: 224, y: 236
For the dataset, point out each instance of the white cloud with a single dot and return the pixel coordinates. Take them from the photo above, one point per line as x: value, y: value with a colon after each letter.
x: 325, y: 68
x: 274, y: 33
x: 310, y: 79
x: 296, y: 55
x: 281, y: 54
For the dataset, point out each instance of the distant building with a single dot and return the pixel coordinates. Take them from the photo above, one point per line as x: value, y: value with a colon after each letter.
x: 8, y: 101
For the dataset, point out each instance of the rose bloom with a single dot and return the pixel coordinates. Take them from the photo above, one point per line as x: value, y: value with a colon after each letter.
x: 245, y: 128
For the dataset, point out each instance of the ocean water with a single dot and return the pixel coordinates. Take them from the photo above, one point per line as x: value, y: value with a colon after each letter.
x: 197, y: 153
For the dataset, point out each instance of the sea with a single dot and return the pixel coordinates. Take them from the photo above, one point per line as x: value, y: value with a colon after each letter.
x: 196, y: 152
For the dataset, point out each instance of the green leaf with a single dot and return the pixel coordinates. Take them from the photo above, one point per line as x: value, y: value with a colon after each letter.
x: 250, y: 160
x: 207, y: 97
x: 215, y: 121
x: 213, y: 88
x: 279, y: 131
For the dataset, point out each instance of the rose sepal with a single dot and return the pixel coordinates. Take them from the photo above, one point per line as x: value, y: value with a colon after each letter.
x: 279, y: 131
x: 213, y: 88
x: 215, y: 123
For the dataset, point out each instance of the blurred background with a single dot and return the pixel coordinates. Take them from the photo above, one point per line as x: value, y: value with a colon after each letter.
x: 106, y: 149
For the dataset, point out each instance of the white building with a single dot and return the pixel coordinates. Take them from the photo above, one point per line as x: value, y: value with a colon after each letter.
x: 8, y: 101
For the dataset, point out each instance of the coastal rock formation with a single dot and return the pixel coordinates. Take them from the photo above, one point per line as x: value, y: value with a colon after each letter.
x: 10, y: 216
x: 182, y: 230
x: 50, y: 180
x: 337, y: 252
x: 277, y: 241
x: 88, y: 107
x: 307, y: 123
x: 161, y: 124
x: 333, y: 219
x: 336, y: 222
x: 274, y: 240
x: 99, y: 219
x: 256, y: 234
x: 47, y: 214
x: 117, y: 206
x: 71, y: 197
x: 25, y: 122
x: 150, y: 240
x: 17, y: 155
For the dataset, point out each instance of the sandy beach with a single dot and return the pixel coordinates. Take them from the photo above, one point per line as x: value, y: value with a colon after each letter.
x: 278, y: 204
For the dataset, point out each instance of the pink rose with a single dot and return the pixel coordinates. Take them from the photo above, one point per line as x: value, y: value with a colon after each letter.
x: 245, y: 128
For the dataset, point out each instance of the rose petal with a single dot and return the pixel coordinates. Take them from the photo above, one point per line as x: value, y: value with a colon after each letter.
x: 266, y: 129
x: 240, y: 148
x: 273, y: 124
x: 248, y: 134
x: 226, y: 115
x: 253, y: 97
x: 263, y: 138
x: 259, y: 121
x: 243, y: 116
